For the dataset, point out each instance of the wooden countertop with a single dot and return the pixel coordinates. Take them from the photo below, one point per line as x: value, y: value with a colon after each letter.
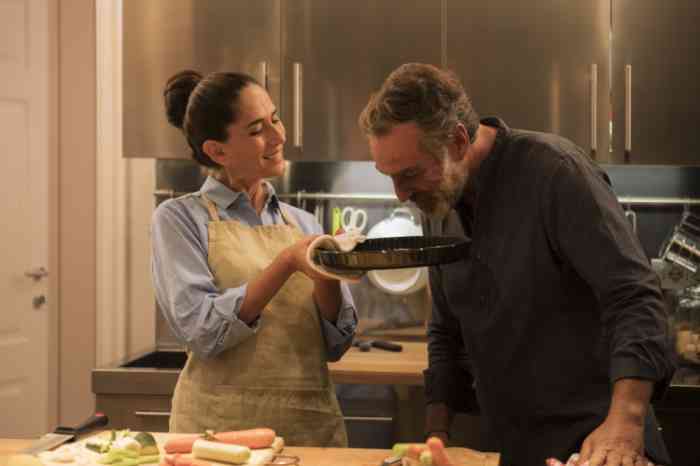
x: 324, y: 456
x: 378, y: 366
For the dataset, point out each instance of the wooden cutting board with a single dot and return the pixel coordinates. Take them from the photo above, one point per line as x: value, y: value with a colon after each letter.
x: 85, y: 457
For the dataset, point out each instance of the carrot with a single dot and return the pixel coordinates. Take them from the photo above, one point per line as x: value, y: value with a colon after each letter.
x: 252, y: 438
x: 437, y: 448
x: 181, y: 444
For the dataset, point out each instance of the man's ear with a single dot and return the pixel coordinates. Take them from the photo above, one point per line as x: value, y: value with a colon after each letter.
x: 461, y: 141
x: 214, y: 150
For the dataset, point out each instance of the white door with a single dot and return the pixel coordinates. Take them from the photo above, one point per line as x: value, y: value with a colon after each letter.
x: 27, y: 41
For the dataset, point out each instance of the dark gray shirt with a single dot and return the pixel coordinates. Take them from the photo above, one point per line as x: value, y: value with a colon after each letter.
x: 555, y: 303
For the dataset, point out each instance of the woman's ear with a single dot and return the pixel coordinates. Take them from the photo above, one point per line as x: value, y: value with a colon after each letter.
x: 214, y: 151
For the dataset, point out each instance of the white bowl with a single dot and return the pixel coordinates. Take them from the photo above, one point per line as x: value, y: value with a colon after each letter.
x: 398, y: 281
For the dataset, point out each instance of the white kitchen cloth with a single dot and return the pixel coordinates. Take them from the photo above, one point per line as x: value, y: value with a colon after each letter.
x: 345, y: 242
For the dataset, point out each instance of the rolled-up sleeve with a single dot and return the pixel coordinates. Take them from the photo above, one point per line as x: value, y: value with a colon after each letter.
x: 339, y: 335
x: 448, y: 378
x: 202, y: 317
x: 583, y: 216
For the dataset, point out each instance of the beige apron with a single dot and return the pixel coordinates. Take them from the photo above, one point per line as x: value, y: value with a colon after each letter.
x: 277, y: 378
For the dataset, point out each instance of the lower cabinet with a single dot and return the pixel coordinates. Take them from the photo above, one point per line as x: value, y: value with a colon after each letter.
x: 149, y: 413
x: 680, y: 428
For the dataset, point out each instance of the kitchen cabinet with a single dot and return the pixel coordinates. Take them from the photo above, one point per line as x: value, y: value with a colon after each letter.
x: 162, y: 37
x: 138, y: 412
x: 335, y: 54
x: 543, y: 68
x: 656, y: 82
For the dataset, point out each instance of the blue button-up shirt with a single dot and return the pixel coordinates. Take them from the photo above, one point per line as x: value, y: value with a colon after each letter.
x: 201, y: 316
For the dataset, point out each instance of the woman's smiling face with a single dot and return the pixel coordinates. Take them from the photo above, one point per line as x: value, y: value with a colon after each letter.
x: 254, y: 148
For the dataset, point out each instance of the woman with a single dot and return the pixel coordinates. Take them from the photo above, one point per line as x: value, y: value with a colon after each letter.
x: 231, y: 278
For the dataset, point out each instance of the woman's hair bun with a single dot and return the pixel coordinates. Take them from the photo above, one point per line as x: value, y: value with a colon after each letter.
x: 177, y: 93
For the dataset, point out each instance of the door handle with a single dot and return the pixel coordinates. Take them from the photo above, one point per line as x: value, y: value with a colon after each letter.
x: 594, y: 109
x: 262, y: 74
x: 37, y: 274
x: 298, y: 102
x: 628, y: 113
x: 152, y: 413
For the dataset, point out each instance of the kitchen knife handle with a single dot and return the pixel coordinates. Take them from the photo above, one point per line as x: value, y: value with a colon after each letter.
x: 387, y: 345
x: 91, y: 423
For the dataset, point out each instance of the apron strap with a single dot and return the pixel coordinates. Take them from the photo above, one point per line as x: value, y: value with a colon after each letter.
x: 211, y: 207
x: 289, y: 219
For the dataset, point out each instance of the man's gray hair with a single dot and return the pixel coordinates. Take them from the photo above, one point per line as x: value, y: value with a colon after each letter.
x: 430, y: 97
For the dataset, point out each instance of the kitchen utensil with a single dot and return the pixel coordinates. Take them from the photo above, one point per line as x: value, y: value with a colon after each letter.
x: 352, y: 219
x: 404, y: 281
x: 66, y: 434
x: 366, y: 345
x: 397, y: 253
x: 335, y: 220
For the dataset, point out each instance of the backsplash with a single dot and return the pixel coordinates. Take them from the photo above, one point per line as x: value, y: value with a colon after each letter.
x: 378, y: 309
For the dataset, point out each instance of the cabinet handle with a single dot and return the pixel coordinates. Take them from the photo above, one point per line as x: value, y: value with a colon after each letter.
x: 298, y: 105
x: 152, y: 413
x: 368, y: 418
x: 628, y: 112
x: 262, y: 74
x: 594, y: 108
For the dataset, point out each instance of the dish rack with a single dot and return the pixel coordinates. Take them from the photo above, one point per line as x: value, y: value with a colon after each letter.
x: 683, y: 245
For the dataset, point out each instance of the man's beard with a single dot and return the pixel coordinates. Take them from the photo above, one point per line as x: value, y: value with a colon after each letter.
x: 438, y: 203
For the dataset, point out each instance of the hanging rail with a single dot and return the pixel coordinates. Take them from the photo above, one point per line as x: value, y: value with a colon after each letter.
x: 303, y: 195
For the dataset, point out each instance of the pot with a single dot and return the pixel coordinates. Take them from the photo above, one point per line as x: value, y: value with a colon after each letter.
x: 398, y: 281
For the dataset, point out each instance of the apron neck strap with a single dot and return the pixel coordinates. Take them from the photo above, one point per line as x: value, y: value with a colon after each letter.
x: 289, y: 219
x: 211, y: 207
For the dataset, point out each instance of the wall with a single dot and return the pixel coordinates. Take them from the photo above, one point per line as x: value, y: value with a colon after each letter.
x: 129, y: 202
x: 76, y: 206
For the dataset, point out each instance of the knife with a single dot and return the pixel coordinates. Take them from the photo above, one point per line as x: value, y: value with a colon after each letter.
x: 65, y: 434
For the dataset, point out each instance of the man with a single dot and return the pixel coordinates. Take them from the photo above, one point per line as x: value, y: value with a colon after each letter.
x: 554, y: 326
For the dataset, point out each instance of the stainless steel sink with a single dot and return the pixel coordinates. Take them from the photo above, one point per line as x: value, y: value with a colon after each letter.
x: 159, y: 360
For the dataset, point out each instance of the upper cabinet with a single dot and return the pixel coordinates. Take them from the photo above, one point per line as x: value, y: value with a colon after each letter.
x: 542, y: 67
x: 335, y: 54
x: 545, y: 66
x: 656, y: 82
x: 162, y: 37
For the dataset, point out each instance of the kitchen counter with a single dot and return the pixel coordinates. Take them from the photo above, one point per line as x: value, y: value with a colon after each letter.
x: 157, y: 376
x: 327, y: 456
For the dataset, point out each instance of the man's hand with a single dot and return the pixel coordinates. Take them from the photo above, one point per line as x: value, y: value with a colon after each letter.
x: 619, y: 440
x: 614, y: 443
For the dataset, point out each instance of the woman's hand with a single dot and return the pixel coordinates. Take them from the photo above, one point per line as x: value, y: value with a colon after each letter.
x: 296, y: 257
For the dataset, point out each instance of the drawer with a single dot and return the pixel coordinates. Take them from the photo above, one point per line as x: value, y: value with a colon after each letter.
x: 137, y: 412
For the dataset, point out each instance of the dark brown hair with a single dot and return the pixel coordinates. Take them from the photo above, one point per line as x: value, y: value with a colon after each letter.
x: 432, y: 98
x: 203, y: 107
